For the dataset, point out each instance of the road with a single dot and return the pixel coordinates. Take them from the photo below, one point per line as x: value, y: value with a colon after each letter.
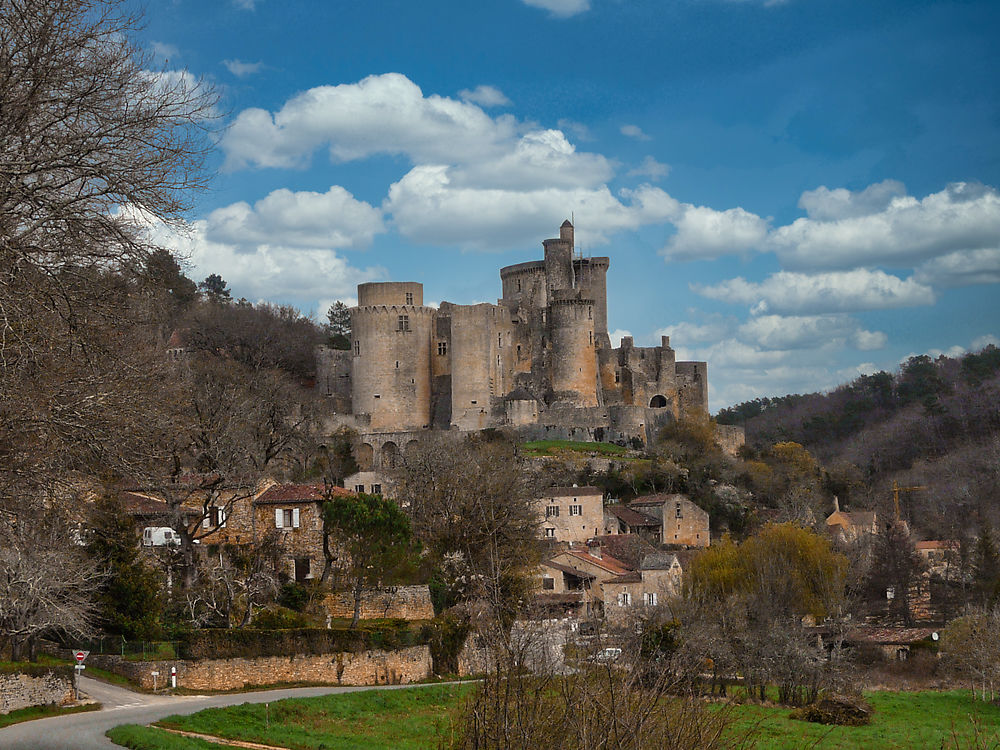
x: 121, y: 706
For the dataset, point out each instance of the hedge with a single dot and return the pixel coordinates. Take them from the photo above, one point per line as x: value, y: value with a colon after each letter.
x: 35, y: 670
x: 247, y: 643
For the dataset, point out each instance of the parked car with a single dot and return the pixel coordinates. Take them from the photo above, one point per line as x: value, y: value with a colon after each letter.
x: 160, y: 536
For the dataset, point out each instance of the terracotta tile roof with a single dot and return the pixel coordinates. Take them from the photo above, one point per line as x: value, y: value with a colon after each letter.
x: 937, y: 544
x: 855, y: 518
x: 572, y: 491
x: 627, y: 548
x: 176, y: 339
x: 606, y: 562
x: 631, y: 516
x: 316, y: 492
x: 571, y: 571
x: 142, y: 505
x: 659, y: 499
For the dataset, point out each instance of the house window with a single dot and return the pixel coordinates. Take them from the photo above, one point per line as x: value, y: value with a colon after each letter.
x: 359, y: 488
x: 376, y: 489
x: 677, y: 511
x: 214, y: 518
x: 442, y: 348
x: 618, y: 377
x: 403, y: 323
x: 286, y: 518
x: 624, y: 599
x: 576, y: 510
x: 550, y: 533
x: 552, y: 510
x: 303, y: 569
x: 548, y: 583
x: 357, y: 348
x: 409, y: 298
x: 649, y: 598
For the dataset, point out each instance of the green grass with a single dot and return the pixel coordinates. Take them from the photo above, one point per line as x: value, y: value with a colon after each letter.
x: 146, y: 738
x: 412, y: 718
x: 538, y: 448
x: 422, y: 717
x: 113, y: 677
x: 901, y: 721
x: 43, y: 712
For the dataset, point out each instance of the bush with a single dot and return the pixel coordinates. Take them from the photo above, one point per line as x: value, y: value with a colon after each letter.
x: 219, y: 643
x: 446, y: 636
x: 294, y: 596
x: 279, y: 618
x: 836, y: 709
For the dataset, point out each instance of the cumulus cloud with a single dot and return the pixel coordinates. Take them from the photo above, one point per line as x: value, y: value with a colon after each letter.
x: 485, y: 96
x: 427, y: 206
x: 165, y: 50
x: 334, y: 219
x: 963, y: 216
x: 650, y: 168
x: 703, y: 232
x: 836, y: 291
x: 685, y: 333
x: 824, y: 204
x: 560, y: 8
x: 242, y: 69
x: 634, y: 131
x: 777, y: 332
x: 617, y: 335
x: 961, y: 268
x: 268, y: 271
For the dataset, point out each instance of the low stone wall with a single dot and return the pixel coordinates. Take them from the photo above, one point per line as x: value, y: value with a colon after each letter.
x: 402, y: 602
x: 346, y: 668
x: 19, y: 690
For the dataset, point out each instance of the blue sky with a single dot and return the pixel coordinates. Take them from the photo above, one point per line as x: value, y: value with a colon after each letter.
x: 796, y: 192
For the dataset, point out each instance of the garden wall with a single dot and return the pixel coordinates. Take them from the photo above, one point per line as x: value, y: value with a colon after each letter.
x: 394, y: 602
x: 19, y: 690
x: 345, y: 668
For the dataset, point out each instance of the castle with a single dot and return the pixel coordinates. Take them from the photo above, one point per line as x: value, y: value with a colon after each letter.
x: 539, y: 361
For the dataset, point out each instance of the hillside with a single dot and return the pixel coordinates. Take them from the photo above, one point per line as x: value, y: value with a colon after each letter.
x: 933, y: 424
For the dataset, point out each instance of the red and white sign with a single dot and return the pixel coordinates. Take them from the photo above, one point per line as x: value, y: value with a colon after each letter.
x: 80, y: 656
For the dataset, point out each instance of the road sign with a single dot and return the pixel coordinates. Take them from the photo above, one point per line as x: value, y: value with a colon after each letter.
x: 80, y: 656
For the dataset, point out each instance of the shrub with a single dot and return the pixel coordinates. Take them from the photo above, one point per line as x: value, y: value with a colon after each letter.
x: 219, y: 643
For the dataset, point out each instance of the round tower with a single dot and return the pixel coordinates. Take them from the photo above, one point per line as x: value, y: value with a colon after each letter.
x: 390, y: 365
x: 559, y: 259
x: 574, y: 360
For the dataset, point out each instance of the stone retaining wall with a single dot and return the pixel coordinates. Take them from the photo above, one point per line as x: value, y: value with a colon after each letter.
x: 346, y: 668
x: 402, y: 602
x: 23, y: 690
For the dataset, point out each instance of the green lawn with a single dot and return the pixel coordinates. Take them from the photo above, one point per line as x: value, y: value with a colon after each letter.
x: 537, y: 448
x: 43, y: 712
x: 422, y: 718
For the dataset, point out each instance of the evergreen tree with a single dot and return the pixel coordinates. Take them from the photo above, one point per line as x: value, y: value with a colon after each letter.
x: 986, y: 565
x: 338, y: 329
x: 215, y: 288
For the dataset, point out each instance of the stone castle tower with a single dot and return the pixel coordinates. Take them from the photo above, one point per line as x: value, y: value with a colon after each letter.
x: 540, y: 360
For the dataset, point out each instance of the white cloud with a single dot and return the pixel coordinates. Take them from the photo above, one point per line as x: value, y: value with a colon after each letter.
x: 334, y: 219
x: 634, y: 131
x: 241, y: 69
x: 617, y: 335
x: 560, y: 8
x: 427, y: 206
x: 703, y: 232
x: 651, y: 168
x: 485, y: 96
x: 824, y: 204
x: 268, y: 271
x: 685, y: 334
x: 579, y: 131
x: 983, y: 341
x: 961, y: 268
x: 963, y: 216
x: 836, y: 291
x: 165, y: 50
x: 245, y: 4
x: 776, y: 332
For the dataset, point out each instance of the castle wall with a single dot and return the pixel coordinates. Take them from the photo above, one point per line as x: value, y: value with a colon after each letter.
x: 481, y: 340
x: 591, y: 278
x: 391, y: 369
x: 391, y: 293
x: 692, y: 386
x: 333, y: 377
x: 573, y: 359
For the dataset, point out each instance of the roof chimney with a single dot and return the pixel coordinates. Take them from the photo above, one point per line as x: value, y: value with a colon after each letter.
x: 594, y: 548
x: 836, y: 504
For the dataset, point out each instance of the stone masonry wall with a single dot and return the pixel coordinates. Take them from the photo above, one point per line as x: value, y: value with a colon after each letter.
x: 346, y: 668
x: 403, y: 602
x: 23, y: 690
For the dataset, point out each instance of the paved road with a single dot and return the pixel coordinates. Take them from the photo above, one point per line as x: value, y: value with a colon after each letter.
x: 86, y: 730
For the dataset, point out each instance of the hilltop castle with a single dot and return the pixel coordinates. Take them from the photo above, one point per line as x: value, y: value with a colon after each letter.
x: 539, y: 361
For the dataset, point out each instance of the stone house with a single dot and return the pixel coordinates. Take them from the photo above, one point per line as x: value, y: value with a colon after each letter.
x: 681, y: 521
x: 571, y: 514
x: 847, y: 527
x: 593, y: 567
x: 657, y: 580
x: 295, y: 511
x: 369, y: 482
x: 941, y: 556
x: 621, y: 519
x: 564, y: 590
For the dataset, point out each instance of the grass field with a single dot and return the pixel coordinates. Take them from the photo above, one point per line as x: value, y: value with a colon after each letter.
x: 43, y: 712
x: 538, y: 448
x: 423, y: 717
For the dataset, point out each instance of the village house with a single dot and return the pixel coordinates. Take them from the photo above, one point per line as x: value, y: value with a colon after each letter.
x: 681, y: 521
x: 621, y: 519
x: 941, y: 556
x: 847, y: 527
x: 657, y: 579
x: 370, y: 483
x: 295, y: 511
x: 594, y: 567
x: 571, y: 514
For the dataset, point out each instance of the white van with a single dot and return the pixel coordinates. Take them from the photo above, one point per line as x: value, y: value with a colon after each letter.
x: 160, y: 536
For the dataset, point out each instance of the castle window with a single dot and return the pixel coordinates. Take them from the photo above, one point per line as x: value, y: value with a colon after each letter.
x: 618, y: 377
x: 678, y: 511
x: 397, y: 364
x: 473, y: 403
x: 357, y: 348
x: 518, y: 350
x: 590, y: 313
x: 377, y: 396
x: 442, y: 348
x: 518, y: 285
x: 590, y: 335
x: 499, y: 340
x: 498, y: 360
x: 403, y: 323
x: 409, y: 298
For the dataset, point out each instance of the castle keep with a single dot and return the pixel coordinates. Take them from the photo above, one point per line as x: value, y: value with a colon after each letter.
x: 540, y: 360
